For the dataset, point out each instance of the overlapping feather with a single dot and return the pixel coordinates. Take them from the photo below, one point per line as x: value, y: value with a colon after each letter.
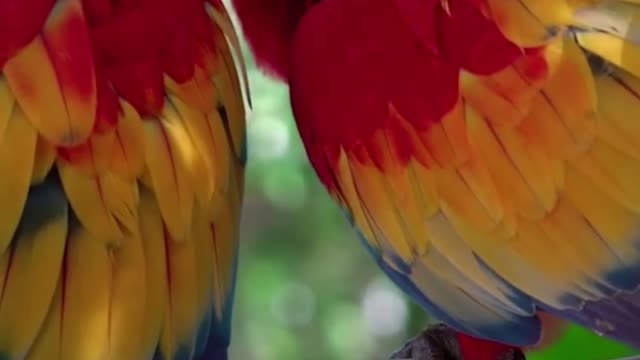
x: 119, y: 225
x: 531, y: 201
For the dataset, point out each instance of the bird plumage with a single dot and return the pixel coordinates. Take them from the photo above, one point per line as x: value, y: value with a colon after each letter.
x: 485, y: 150
x: 121, y: 171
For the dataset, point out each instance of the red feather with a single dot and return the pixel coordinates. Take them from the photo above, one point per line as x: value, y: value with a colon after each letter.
x: 479, y: 349
x: 20, y: 22
x: 269, y: 26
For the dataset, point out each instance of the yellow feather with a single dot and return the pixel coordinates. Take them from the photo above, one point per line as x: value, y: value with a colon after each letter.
x: 47, y: 344
x: 224, y: 241
x: 128, y: 153
x: 19, y: 138
x: 439, y: 146
x: 506, y: 262
x: 616, y: 224
x: 89, y: 201
x: 532, y: 246
x: 197, y: 92
x: 405, y: 207
x: 618, y: 51
x: 473, y: 170
x: 400, y: 214
x: 442, y: 237
x: 43, y: 105
x: 102, y: 148
x: 498, y: 110
x: 456, y: 195
x: 7, y: 103
x: 128, y: 299
x: 464, y: 209
x: 619, y: 127
x: 181, y: 313
x: 99, y: 307
x: 4, y: 265
x: 187, y: 92
x: 203, y: 171
x: 33, y: 270
x: 222, y: 157
x: 121, y: 198
x: 573, y: 239
x: 349, y: 195
x: 519, y: 23
x: 152, y: 233
x: 169, y: 155
x: 92, y: 157
x: 225, y: 24
x: 77, y: 327
x: 532, y: 164
x: 442, y: 145
x: 44, y: 158
x: 230, y: 95
x: 205, y: 261
x: 505, y: 97
x: 614, y: 172
x: 571, y: 91
x: 375, y: 193
x: 455, y: 129
x: 508, y: 181
x: 557, y: 11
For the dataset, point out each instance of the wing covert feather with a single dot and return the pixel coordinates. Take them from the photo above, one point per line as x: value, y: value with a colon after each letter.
x: 523, y: 196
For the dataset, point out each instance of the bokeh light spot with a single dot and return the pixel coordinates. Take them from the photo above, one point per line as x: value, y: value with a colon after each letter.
x: 269, y: 138
x: 346, y: 333
x: 294, y: 304
x: 385, y: 310
x: 285, y: 188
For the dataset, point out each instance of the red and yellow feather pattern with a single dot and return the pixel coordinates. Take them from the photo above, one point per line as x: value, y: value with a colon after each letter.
x: 486, y: 150
x: 122, y: 153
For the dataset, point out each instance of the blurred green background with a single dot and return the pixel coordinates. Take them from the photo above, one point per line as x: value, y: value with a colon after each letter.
x: 307, y: 289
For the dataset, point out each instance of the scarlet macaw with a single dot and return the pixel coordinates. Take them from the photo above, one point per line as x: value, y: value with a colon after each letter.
x: 488, y: 151
x: 122, y: 154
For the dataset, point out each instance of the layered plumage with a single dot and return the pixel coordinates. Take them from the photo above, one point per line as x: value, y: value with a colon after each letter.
x: 122, y: 152
x: 486, y: 150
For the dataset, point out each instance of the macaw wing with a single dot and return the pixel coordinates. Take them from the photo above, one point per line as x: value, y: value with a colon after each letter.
x: 121, y: 172
x: 522, y: 193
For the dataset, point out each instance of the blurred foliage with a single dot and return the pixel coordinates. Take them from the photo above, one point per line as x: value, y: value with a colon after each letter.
x: 307, y: 289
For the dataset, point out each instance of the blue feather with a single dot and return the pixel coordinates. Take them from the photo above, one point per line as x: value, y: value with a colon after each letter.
x: 517, y: 330
x: 46, y: 202
x: 617, y: 317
